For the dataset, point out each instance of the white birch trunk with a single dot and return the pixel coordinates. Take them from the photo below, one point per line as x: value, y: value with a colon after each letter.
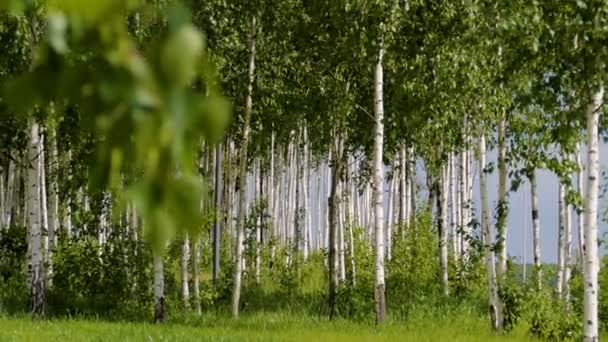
x: 10, y: 192
x: 567, y: 253
x: 536, y: 230
x: 413, y: 184
x: 353, y: 265
x: 185, y: 257
x: 36, y: 275
x: 561, y: 241
x: 501, y: 223
x: 389, y: 214
x: 402, y: 185
x: 160, y: 310
x: 306, y: 202
x: 580, y: 213
x: 236, y: 294
x: 453, y: 199
x: 591, y: 262
x: 496, y: 314
x: 68, y: 209
x: 341, y: 242
x: 196, y: 257
x: 443, y: 229
x: 379, y: 189
x: 462, y: 217
x: 44, y: 212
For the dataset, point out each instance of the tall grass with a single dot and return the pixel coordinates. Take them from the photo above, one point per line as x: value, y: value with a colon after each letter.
x: 255, y: 327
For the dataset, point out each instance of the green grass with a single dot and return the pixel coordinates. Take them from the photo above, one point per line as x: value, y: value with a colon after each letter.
x: 255, y: 327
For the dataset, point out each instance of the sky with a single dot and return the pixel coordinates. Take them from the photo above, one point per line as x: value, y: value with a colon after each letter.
x: 519, y: 230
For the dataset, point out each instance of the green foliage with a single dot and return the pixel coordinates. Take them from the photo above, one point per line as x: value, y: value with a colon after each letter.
x: 550, y: 321
x: 112, y: 280
x: 513, y: 297
x: 13, y: 294
x: 413, y: 278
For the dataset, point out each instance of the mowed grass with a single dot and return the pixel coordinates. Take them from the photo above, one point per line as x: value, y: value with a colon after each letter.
x: 254, y: 327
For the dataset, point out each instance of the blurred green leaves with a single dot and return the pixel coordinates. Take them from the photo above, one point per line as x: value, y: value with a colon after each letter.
x: 149, y: 109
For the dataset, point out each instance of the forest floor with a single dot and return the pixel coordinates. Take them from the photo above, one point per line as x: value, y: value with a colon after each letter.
x: 255, y: 327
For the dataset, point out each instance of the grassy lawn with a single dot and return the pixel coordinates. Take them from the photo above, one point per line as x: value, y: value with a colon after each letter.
x: 257, y: 327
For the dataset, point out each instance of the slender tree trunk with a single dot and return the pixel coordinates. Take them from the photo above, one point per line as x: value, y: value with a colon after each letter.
x: 44, y: 212
x: 402, y: 185
x: 353, y: 265
x: 580, y: 212
x: 258, y: 228
x: 160, y: 309
x: 536, y: 230
x: 68, y: 203
x: 333, y: 205
x: 328, y: 185
x: 567, y: 246
x: 236, y: 294
x: 496, y: 313
x: 297, y: 226
x: 378, y: 185
x: 442, y: 229
x: 591, y: 263
x: 561, y: 241
x: 452, y: 192
x: 272, y: 187
x: 10, y: 194
x: 3, y: 197
x: 196, y: 269
x: 305, y: 199
x: 413, y: 185
x: 501, y: 220
x: 185, y: 257
x: 341, y: 242
x: 217, y: 200
x: 389, y: 214
x: 36, y: 275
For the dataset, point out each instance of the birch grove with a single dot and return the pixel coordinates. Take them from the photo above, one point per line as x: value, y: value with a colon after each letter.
x: 305, y: 156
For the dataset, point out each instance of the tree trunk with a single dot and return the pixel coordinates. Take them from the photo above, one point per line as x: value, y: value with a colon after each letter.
x: 353, y: 265
x: 68, y: 203
x: 591, y: 264
x: 333, y: 205
x: 561, y: 241
x: 185, y: 257
x: 36, y: 275
x: 496, y: 313
x: 160, y: 310
x: 306, y: 204
x: 453, y: 199
x: 196, y: 269
x: 442, y: 230
x: 10, y: 191
x: 536, y: 230
x: 567, y: 248
x: 502, y: 208
x: 378, y: 185
x: 238, y: 270
x: 389, y: 213
x: 217, y: 201
x: 341, y: 242
x: 580, y: 212
x: 413, y: 185
x: 402, y: 185
x: 258, y: 228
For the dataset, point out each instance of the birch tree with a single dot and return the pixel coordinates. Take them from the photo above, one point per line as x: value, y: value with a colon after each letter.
x: 379, y: 294
x: 236, y: 294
